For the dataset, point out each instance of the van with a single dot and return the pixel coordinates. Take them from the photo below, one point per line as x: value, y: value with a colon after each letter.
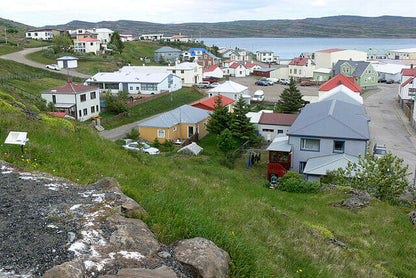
x: 258, y: 96
x: 284, y: 81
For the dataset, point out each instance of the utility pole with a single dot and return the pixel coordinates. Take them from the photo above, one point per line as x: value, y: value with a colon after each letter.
x: 5, y: 34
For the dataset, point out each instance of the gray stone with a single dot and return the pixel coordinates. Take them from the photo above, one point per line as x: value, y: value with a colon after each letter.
x: 161, y: 272
x: 73, y: 269
x: 207, y: 259
x: 412, y: 216
x: 354, y: 203
x: 133, y: 234
x: 107, y: 183
x: 363, y: 195
x: 164, y: 254
x: 131, y: 208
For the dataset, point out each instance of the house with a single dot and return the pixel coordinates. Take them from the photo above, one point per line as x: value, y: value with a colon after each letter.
x: 251, y: 67
x: 363, y: 72
x: 79, y: 101
x: 43, y: 34
x: 255, y: 117
x: 340, y: 79
x: 271, y: 125
x: 322, y: 74
x: 209, y: 103
x: 167, y: 54
x: 208, y: 59
x: 240, y: 55
x: 402, y: 54
x: 327, y: 58
x: 342, y: 93
x: 237, y: 69
x: 87, y: 45
x: 407, y: 88
x: 192, y: 53
x: 301, y: 68
x: 324, y: 129
x: 178, y: 124
x: 77, y: 34
x: 126, y: 37
x: 231, y: 90
x: 282, y: 71
x: 376, y: 54
x: 266, y: 57
x: 263, y: 72
x: 103, y: 34
x: 212, y: 71
x: 67, y: 62
x: 151, y: 37
x: 177, y: 38
x: 190, y: 73
x: 389, y: 70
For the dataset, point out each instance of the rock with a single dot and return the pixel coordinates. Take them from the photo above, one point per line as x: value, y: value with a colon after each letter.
x: 201, y: 254
x: 339, y: 244
x: 73, y: 269
x: 164, y: 254
x: 363, y: 195
x: 328, y: 187
x: 161, y: 272
x: 353, y: 203
x: 133, y: 234
x: 107, y: 183
x: 131, y: 208
x: 412, y: 216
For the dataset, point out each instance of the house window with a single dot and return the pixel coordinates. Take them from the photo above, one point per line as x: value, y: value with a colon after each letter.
x: 280, y: 131
x: 173, y: 71
x: 83, y: 97
x: 300, y: 71
x: 80, y: 113
x: 182, y: 71
x: 310, y: 145
x: 161, y: 133
x: 137, y: 88
x: 149, y: 87
x: 131, y: 88
x: 85, y: 111
x: 174, y: 128
x: 339, y: 146
x: 93, y: 95
x: 96, y: 108
x: 302, y: 166
x: 267, y: 130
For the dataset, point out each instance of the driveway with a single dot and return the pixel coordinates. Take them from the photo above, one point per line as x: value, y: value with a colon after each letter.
x: 389, y: 124
x: 20, y: 57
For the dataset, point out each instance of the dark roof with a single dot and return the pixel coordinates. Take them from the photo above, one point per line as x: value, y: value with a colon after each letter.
x: 360, y: 67
x: 167, y: 49
x: 70, y: 88
x: 277, y: 118
x: 332, y: 119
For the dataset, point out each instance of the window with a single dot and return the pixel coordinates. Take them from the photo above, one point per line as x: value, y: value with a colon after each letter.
x: 83, y: 97
x: 310, y: 145
x: 85, y: 111
x: 92, y: 109
x: 149, y: 87
x: 174, y: 128
x: 280, y: 131
x: 80, y: 113
x: 267, y: 130
x: 131, y: 88
x: 173, y: 71
x: 161, y: 133
x: 137, y: 88
x: 339, y: 146
x: 93, y: 95
x: 302, y: 166
x: 182, y: 71
x: 96, y: 108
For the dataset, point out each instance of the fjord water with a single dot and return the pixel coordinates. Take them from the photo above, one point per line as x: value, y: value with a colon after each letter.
x: 287, y: 48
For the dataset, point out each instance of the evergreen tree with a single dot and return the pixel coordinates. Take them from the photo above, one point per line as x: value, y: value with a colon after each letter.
x: 220, y: 119
x: 291, y: 99
x: 241, y: 128
x: 116, y: 43
x: 61, y: 43
x: 225, y: 141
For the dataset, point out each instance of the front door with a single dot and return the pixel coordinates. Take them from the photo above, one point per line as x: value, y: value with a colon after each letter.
x: 190, y: 131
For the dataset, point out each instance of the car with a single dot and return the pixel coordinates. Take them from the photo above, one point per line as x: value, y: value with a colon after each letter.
x: 211, y: 79
x: 267, y: 80
x: 379, y: 150
x: 203, y: 84
x: 284, y: 81
x: 306, y: 83
x: 214, y: 84
x: 261, y: 83
x: 391, y: 81
x: 141, y: 147
x: 258, y: 96
x: 53, y: 67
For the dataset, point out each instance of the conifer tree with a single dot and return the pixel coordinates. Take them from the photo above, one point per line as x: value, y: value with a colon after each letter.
x: 116, y: 43
x: 291, y: 99
x: 241, y: 128
x: 220, y: 119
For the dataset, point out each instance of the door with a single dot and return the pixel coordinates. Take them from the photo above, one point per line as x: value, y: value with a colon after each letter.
x: 190, y: 131
x: 54, y: 99
x: 65, y: 64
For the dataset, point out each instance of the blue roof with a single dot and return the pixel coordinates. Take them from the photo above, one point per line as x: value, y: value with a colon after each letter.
x: 332, y: 119
x: 192, y: 50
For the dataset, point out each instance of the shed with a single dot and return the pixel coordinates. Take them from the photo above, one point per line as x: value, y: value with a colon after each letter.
x: 191, y: 149
x: 67, y: 62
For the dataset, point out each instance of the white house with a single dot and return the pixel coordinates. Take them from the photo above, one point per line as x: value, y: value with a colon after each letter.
x: 389, y: 71
x: 67, y: 62
x: 151, y: 37
x: 407, y: 88
x: 126, y: 38
x: 190, y: 73
x: 266, y: 56
x: 237, y: 69
x: 230, y: 89
x: 300, y: 68
x: 342, y: 93
x: 104, y: 34
x: 327, y: 58
x: 79, y: 101
x: 87, y: 45
x: 251, y: 67
x: 213, y: 71
x: 42, y: 34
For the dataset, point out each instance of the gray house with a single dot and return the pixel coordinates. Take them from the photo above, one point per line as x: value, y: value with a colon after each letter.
x: 326, y: 135
x: 167, y: 54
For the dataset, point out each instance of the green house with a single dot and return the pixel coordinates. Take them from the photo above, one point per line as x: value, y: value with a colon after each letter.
x: 363, y: 72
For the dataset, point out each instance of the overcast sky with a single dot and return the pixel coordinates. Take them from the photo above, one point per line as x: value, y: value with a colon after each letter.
x: 39, y: 13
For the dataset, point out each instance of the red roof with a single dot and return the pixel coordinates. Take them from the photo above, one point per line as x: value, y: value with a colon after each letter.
x: 331, y: 50
x: 277, y: 118
x: 340, y: 79
x: 408, y: 81
x: 409, y: 72
x: 211, y: 68
x: 298, y: 61
x: 59, y: 114
x: 70, y: 88
x: 250, y: 65
x: 88, y: 39
x: 235, y: 65
x: 208, y: 103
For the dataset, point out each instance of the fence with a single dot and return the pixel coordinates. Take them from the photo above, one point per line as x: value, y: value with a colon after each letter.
x: 146, y: 99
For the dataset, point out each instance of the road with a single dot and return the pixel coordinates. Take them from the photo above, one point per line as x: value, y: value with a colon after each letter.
x: 389, y: 124
x: 20, y: 57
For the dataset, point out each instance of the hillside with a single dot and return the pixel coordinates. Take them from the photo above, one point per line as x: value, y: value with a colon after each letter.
x: 335, y: 26
x: 268, y: 233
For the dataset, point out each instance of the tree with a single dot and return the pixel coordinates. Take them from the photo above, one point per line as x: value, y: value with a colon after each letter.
x: 241, y: 128
x: 220, y: 119
x: 116, y: 43
x: 61, y: 43
x: 225, y: 142
x: 384, y: 177
x: 291, y: 99
x: 116, y: 103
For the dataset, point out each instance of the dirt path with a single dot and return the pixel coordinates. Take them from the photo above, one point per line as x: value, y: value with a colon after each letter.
x: 20, y: 57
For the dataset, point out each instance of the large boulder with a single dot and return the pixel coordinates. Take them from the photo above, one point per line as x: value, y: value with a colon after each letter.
x: 206, y: 259
x: 73, y: 269
x: 161, y: 272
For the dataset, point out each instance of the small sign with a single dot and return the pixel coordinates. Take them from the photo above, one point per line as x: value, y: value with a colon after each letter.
x: 16, y: 138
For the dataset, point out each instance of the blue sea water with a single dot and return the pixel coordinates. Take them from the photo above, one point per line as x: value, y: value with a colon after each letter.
x: 287, y: 48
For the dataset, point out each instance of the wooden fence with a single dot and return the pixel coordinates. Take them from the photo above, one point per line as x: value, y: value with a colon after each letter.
x: 146, y: 99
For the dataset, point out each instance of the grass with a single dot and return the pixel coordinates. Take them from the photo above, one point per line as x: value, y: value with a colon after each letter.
x: 8, y: 48
x: 163, y: 104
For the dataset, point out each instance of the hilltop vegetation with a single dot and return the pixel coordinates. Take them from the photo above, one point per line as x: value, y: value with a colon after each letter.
x: 268, y: 233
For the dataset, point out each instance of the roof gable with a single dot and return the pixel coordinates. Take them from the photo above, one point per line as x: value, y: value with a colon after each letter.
x: 409, y: 72
x: 340, y: 79
x: 277, y: 118
x: 359, y: 67
x: 209, y: 103
x: 70, y: 88
x: 408, y: 81
x: 298, y: 61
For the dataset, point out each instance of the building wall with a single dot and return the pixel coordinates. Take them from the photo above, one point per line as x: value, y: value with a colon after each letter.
x: 269, y: 132
x: 40, y: 35
x: 282, y: 72
x: 351, y: 147
x: 328, y: 60
x: 396, y: 55
x: 70, y: 64
x: 189, y: 77
x: 369, y: 79
x: 300, y: 72
x: 321, y: 76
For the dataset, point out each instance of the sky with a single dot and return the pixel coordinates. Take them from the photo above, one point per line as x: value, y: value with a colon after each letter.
x: 39, y: 13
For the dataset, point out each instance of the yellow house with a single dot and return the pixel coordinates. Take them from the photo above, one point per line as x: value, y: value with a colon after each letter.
x: 178, y: 124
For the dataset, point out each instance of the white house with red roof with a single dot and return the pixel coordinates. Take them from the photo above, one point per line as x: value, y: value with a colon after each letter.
x: 327, y: 58
x: 251, y: 67
x: 209, y: 103
x: 87, y: 45
x: 338, y: 80
x: 212, y: 71
x: 79, y: 101
x: 271, y: 125
x: 236, y: 69
x: 301, y: 68
x: 407, y: 88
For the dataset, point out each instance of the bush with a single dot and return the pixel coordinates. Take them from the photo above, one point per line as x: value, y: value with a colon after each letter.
x: 134, y: 134
x: 293, y: 182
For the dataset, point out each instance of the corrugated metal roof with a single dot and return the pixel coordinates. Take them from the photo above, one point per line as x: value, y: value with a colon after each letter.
x: 277, y: 118
x: 360, y: 67
x: 320, y: 165
x: 342, y: 93
x: 167, y: 49
x: 228, y: 87
x: 280, y: 144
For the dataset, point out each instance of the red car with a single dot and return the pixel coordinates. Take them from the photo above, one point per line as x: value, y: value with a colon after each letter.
x: 306, y: 83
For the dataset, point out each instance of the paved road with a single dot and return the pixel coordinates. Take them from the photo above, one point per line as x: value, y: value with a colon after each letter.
x: 389, y: 125
x: 20, y: 57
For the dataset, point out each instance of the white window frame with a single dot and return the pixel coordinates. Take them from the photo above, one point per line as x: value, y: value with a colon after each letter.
x: 161, y: 133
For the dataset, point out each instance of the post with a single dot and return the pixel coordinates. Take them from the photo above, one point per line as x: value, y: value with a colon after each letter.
x: 5, y: 34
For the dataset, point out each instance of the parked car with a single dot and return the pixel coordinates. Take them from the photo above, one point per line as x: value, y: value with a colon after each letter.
x: 203, y: 84
x: 306, y: 83
x: 284, y: 81
x: 214, y: 84
x: 141, y: 147
x: 53, y: 67
x: 379, y: 150
x: 211, y: 79
x: 258, y: 96
x: 267, y: 80
x: 391, y: 81
x: 261, y: 83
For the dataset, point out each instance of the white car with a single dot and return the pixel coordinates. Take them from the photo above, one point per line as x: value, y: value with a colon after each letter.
x: 141, y: 147
x: 53, y: 67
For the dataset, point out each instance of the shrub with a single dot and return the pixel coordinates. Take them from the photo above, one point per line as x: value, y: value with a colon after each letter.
x: 293, y: 182
x: 156, y: 143
x: 134, y: 134
x: 57, y: 122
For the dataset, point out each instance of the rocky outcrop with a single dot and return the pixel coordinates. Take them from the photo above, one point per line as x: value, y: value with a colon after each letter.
x: 161, y: 272
x: 359, y: 199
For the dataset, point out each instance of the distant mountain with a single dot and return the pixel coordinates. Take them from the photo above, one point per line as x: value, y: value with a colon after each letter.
x: 334, y: 26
